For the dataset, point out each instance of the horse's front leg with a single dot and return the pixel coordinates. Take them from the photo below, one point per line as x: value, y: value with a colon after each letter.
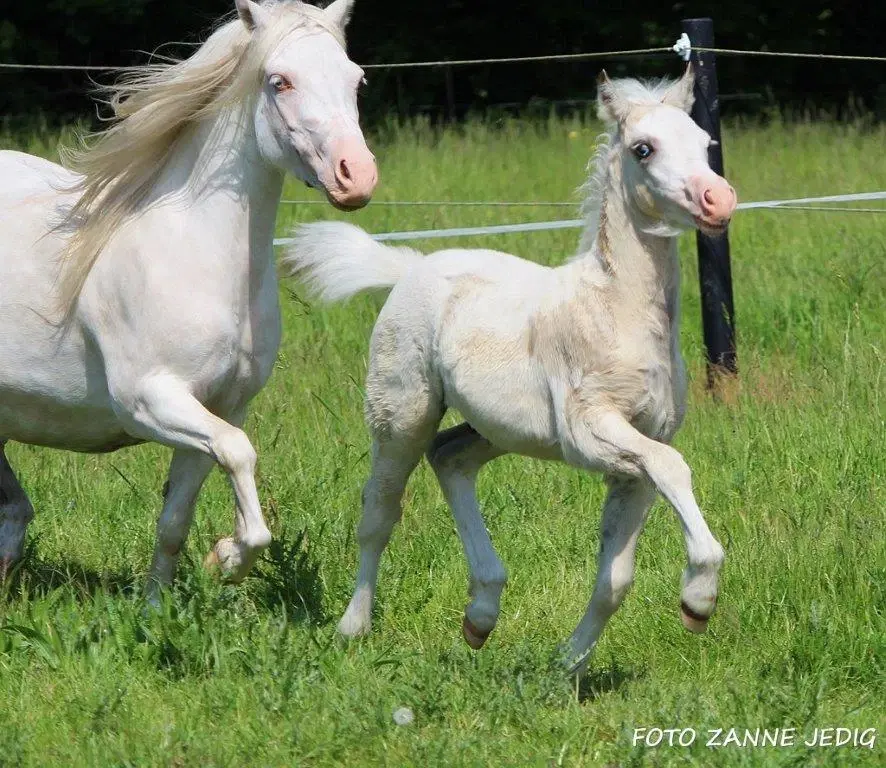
x: 15, y: 514
x: 161, y: 409
x: 187, y: 472
x: 624, y: 514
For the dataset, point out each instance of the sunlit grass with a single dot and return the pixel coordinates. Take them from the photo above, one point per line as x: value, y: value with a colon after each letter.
x: 789, y: 471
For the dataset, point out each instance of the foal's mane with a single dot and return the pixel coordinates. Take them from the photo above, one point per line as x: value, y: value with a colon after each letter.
x: 151, y: 109
x: 639, y: 93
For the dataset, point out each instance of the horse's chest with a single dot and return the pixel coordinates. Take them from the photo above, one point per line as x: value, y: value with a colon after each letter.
x: 250, y: 351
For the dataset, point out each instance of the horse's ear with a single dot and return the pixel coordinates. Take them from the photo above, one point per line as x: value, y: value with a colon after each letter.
x: 612, y: 107
x: 339, y: 12
x: 251, y: 14
x: 682, y: 93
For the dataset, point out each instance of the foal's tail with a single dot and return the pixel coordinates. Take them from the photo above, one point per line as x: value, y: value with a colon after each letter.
x: 337, y: 261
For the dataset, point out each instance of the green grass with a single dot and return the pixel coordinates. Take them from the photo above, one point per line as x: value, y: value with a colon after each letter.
x: 789, y: 471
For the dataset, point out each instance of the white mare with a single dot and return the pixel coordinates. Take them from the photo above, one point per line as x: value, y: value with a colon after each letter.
x: 578, y: 363
x: 138, y: 298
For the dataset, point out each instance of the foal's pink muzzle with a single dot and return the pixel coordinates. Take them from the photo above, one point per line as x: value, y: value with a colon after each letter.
x: 716, y: 201
x: 354, y: 175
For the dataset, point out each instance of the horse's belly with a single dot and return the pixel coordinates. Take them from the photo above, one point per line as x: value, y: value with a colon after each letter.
x: 85, y: 431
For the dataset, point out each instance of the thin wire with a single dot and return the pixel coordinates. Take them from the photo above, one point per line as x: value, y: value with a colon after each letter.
x: 830, y: 208
x: 398, y: 65
x: 508, y: 60
x: 783, y: 54
x: 448, y: 203
x: 71, y: 68
x: 520, y: 59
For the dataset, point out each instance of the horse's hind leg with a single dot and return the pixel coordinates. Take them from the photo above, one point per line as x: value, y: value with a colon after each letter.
x: 624, y: 514
x: 15, y: 514
x: 457, y: 455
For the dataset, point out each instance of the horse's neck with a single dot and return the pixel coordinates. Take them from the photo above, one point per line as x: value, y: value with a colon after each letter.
x: 216, y: 170
x: 642, y: 269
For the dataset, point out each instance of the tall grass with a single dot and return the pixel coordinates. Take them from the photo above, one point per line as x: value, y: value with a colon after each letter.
x: 789, y: 470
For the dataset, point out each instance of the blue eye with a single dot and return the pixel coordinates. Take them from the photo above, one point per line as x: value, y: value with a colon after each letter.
x: 642, y: 150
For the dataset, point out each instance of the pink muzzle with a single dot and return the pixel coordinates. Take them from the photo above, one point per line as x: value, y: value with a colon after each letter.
x: 354, y: 174
x: 716, y: 199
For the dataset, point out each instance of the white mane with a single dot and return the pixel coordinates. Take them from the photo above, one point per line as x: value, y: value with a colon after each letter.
x: 152, y: 108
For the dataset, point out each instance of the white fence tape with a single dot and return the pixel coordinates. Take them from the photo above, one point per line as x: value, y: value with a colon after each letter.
x: 540, y: 226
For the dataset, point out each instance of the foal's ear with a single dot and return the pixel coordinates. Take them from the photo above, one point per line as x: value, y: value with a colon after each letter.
x: 612, y: 107
x: 681, y: 94
x: 339, y: 12
x: 251, y: 14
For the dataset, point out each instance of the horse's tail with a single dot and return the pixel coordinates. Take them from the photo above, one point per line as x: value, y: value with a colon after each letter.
x: 337, y: 261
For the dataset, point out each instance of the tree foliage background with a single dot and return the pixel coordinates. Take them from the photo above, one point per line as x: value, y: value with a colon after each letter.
x: 119, y: 32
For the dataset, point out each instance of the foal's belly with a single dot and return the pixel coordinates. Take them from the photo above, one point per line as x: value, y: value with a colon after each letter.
x: 509, y: 405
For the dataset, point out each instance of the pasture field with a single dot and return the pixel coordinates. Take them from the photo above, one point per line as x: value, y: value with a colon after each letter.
x: 790, y: 470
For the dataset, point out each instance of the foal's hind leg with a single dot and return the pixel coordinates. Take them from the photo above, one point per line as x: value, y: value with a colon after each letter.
x: 393, y: 461
x: 15, y: 514
x: 624, y: 514
x: 457, y: 456
x: 403, y: 410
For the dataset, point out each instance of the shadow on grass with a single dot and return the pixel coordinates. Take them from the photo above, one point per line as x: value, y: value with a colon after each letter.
x: 288, y: 576
x: 37, y: 577
x: 598, y: 682
x: 285, y: 576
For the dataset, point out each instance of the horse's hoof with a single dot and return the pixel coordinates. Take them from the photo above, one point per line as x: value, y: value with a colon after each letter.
x: 473, y: 636
x: 225, y: 561
x: 211, y: 562
x: 693, y: 621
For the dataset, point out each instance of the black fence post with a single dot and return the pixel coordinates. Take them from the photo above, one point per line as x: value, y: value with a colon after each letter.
x: 714, y: 270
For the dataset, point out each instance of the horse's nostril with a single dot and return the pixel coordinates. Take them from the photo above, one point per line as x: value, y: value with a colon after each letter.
x: 709, y: 197
x: 344, y: 170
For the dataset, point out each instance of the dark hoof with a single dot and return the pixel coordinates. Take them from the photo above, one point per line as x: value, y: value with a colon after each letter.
x: 693, y: 621
x: 473, y: 636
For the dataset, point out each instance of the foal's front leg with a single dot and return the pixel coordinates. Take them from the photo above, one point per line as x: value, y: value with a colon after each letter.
x: 624, y: 514
x: 15, y: 514
x: 604, y: 440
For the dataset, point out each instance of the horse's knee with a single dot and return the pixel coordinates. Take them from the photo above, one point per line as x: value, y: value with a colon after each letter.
x: 234, y: 452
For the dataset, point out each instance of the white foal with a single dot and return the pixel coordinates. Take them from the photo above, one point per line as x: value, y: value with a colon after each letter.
x: 578, y: 363
x: 167, y: 322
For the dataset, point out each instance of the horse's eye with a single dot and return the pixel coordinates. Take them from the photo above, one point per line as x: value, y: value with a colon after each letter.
x: 279, y: 83
x: 642, y: 150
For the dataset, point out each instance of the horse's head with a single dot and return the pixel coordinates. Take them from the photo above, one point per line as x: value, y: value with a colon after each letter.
x: 664, y: 156
x: 306, y: 120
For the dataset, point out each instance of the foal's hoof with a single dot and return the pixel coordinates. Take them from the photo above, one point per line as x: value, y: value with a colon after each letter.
x: 224, y: 560
x: 473, y: 636
x: 693, y: 621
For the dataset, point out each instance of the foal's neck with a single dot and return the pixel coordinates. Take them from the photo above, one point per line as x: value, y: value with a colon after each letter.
x: 642, y: 268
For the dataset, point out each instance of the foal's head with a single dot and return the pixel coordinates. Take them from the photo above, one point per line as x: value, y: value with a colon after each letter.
x: 306, y: 120
x: 664, y: 156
